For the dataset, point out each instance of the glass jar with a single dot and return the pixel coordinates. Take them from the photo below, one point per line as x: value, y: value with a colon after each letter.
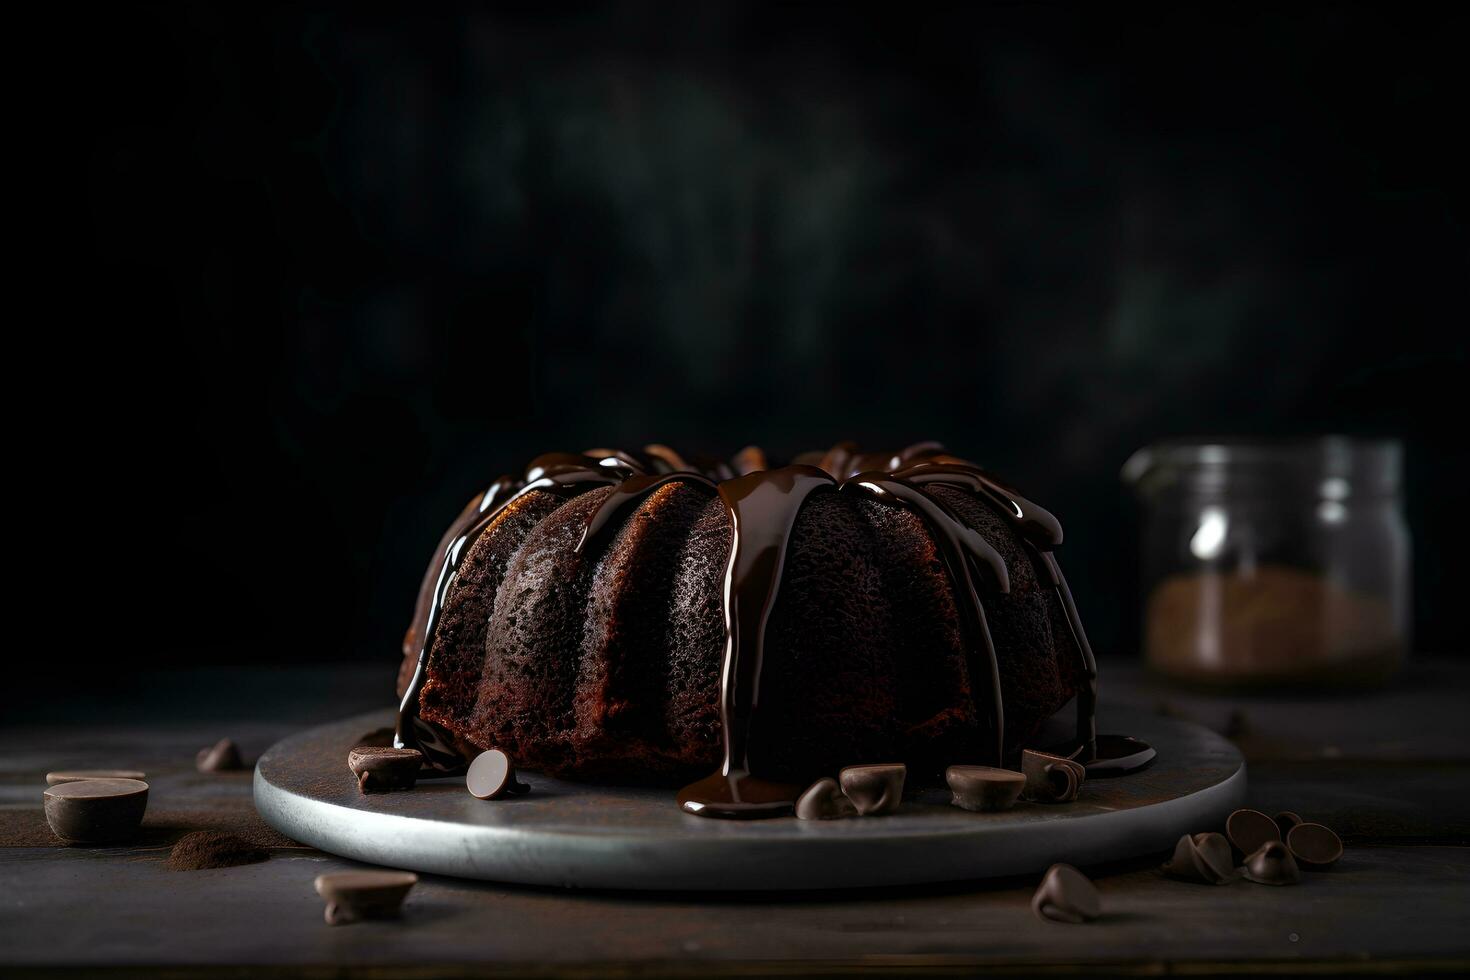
x: 1273, y: 564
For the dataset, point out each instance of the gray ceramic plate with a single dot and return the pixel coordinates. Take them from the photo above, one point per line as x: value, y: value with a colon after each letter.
x: 576, y: 835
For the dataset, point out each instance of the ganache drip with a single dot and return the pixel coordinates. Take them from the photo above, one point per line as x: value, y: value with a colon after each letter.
x: 763, y: 506
x: 625, y: 498
x: 1041, y: 532
x: 962, y: 548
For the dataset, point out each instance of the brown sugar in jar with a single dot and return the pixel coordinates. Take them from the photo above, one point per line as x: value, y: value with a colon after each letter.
x: 1270, y: 626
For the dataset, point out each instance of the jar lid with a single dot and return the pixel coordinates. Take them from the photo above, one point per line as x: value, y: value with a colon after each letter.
x: 1361, y: 466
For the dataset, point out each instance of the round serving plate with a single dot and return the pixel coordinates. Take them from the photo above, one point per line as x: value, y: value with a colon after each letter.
x: 595, y: 836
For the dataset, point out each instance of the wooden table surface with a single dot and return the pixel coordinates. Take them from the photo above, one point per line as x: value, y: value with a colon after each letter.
x: 1388, y: 771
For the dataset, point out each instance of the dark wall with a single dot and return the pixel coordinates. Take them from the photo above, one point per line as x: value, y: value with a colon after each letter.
x: 312, y: 276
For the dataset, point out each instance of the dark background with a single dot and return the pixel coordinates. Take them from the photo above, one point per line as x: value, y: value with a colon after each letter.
x: 308, y: 278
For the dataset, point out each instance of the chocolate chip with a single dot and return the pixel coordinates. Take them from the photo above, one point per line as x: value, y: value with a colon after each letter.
x: 355, y: 895
x: 383, y: 769
x: 1272, y: 864
x: 1314, y: 846
x: 824, y: 800
x: 1066, y: 895
x: 492, y: 775
x: 1051, y: 778
x: 874, y: 789
x: 222, y: 756
x: 1204, y: 858
x: 984, y: 787
x: 1285, y: 820
x: 77, y: 775
x: 96, y: 811
x: 1249, y: 829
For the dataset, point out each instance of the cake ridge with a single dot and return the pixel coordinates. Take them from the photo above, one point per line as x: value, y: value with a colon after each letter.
x: 556, y: 472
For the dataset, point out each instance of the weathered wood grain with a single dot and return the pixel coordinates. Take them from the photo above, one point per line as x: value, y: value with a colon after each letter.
x: 1387, y: 904
x: 1392, y: 908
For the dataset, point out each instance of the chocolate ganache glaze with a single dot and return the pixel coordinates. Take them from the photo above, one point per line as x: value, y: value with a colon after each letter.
x: 763, y: 505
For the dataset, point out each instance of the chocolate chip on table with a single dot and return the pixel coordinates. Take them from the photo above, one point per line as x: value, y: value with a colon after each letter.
x: 1066, y: 895
x: 1285, y: 820
x: 1204, y: 858
x: 222, y: 756
x: 355, y: 895
x: 96, y: 811
x: 1272, y: 864
x: 492, y: 775
x: 1248, y: 830
x: 381, y: 770
x: 77, y: 775
x: 1051, y: 778
x: 824, y: 800
x: 984, y: 788
x: 874, y: 789
x: 1313, y: 845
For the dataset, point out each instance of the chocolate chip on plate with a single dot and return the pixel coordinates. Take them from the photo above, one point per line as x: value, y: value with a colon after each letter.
x: 1204, y: 858
x: 1051, y: 778
x: 381, y: 770
x: 355, y: 895
x: 1314, y: 846
x: 874, y: 789
x: 1272, y: 864
x: 1066, y: 895
x: 1285, y: 820
x: 96, y: 811
x: 492, y: 775
x: 77, y: 775
x: 1249, y: 829
x: 222, y: 756
x: 824, y: 800
x: 983, y: 788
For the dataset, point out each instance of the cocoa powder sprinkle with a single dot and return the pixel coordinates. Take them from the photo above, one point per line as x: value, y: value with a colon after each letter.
x: 212, y: 849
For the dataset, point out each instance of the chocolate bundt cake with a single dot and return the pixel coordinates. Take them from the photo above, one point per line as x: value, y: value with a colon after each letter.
x: 637, y: 616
